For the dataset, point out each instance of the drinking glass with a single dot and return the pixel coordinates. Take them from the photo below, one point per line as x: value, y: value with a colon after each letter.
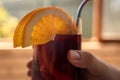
x: 50, y: 59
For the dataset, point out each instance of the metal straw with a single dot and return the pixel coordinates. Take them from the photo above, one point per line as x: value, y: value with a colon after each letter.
x: 78, y: 71
x: 79, y: 11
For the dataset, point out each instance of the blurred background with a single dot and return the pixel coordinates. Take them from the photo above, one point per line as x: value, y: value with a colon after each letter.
x: 100, y: 32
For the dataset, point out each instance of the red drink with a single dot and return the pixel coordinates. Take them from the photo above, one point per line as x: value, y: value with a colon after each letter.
x: 51, y: 59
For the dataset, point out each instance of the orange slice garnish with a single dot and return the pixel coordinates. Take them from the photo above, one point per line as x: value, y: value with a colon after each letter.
x: 19, y: 29
x: 41, y: 25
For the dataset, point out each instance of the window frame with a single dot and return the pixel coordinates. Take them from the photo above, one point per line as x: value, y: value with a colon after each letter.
x: 97, y: 23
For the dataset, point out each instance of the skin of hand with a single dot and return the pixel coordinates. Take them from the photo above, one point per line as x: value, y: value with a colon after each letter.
x: 97, y: 69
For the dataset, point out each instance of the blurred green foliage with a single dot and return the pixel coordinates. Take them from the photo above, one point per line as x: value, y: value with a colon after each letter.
x: 7, y: 23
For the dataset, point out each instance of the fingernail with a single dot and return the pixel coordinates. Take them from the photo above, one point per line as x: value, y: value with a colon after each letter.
x: 74, y: 55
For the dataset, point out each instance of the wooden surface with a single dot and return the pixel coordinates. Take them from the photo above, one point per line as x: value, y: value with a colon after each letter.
x: 13, y: 61
x: 107, y: 52
x: 13, y: 64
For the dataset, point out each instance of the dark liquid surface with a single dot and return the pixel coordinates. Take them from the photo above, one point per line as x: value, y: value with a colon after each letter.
x: 52, y: 62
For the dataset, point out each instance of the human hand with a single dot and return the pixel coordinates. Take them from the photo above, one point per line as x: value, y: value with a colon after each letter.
x: 97, y: 70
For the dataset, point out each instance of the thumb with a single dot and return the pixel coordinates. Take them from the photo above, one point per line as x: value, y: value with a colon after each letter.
x: 79, y: 59
x: 86, y: 60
